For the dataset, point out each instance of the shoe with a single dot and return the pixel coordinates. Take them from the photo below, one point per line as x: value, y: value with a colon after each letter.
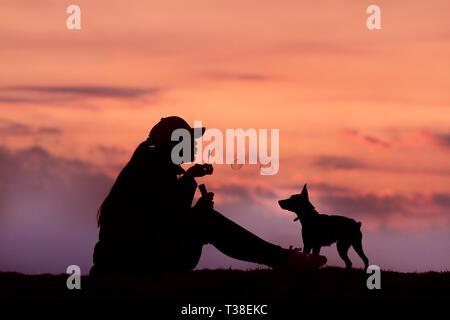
x: 294, y: 259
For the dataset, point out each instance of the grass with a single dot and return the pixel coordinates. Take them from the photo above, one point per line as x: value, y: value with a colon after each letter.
x: 223, y: 285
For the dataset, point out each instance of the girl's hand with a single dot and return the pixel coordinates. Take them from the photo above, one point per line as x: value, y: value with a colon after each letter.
x: 199, y: 170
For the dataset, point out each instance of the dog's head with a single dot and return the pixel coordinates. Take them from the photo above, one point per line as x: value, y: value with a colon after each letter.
x: 298, y: 203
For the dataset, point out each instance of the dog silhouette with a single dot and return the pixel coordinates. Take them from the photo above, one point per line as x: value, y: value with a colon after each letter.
x: 320, y: 230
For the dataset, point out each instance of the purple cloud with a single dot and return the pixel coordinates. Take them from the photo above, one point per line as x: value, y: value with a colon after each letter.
x: 384, y: 205
x: 12, y: 128
x: 367, y: 139
x: 376, y: 141
x: 442, y: 200
x: 60, y: 94
x: 439, y: 139
x: 338, y: 162
x: 372, y: 204
x: 48, y: 208
x: 89, y: 91
x: 111, y: 151
x: 319, y: 186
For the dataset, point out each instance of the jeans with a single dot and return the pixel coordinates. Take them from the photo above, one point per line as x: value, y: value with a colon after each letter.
x: 181, y: 248
x: 211, y: 227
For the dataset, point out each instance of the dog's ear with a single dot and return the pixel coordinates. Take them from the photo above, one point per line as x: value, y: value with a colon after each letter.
x: 305, y: 192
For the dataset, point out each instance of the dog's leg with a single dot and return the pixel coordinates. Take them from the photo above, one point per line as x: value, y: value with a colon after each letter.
x: 357, y: 245
x: 342, y: 247
x: 316, y: 250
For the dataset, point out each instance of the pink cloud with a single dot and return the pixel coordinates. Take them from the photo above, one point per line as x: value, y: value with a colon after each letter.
x: 367, y: 140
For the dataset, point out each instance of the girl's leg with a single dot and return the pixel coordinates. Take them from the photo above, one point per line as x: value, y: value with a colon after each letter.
x: 211, y: 227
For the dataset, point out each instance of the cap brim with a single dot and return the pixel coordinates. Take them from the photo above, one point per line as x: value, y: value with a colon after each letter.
x: 197, y: 133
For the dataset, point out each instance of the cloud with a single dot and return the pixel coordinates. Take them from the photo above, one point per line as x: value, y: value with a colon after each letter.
x: 316, y: 186
x: 240, y: 192
x: 366, y: 139
x: 13, y: 100
x: 442, y: 200
x: 264, y: 192
x: 48, y: 208
x: 60, y: 94
x: 331, y: 162
x: 418, y: 210
x: 443, y: 140
x: 49, y: 130
x: 336, y: 199
x: 111, y: 151
x: 384, y: 206
x: 239, y: 76
x: 233, y: 192
x: 12, y: 128
x: 439, y: 139
x: 91, y: 91
x: 372, y: 204
x: 233, y: 196
x: 376, y: 141
x: 338, y: 162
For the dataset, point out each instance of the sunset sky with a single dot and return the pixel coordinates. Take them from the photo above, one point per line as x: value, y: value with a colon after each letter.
x: 364, y: 118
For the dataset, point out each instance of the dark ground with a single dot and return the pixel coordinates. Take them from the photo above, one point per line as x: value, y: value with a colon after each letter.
x: 328, y: 293
x: 220, y: 285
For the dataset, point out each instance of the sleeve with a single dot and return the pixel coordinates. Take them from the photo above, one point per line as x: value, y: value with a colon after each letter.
x: 188, y: 185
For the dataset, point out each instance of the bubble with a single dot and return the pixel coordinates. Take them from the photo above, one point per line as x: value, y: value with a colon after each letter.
x: 236, y: 166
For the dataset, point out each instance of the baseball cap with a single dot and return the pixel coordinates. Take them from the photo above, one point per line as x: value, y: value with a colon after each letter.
x: 162, y: 131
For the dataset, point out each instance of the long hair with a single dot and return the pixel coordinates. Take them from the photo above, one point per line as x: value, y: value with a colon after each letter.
x: 124, y: 187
